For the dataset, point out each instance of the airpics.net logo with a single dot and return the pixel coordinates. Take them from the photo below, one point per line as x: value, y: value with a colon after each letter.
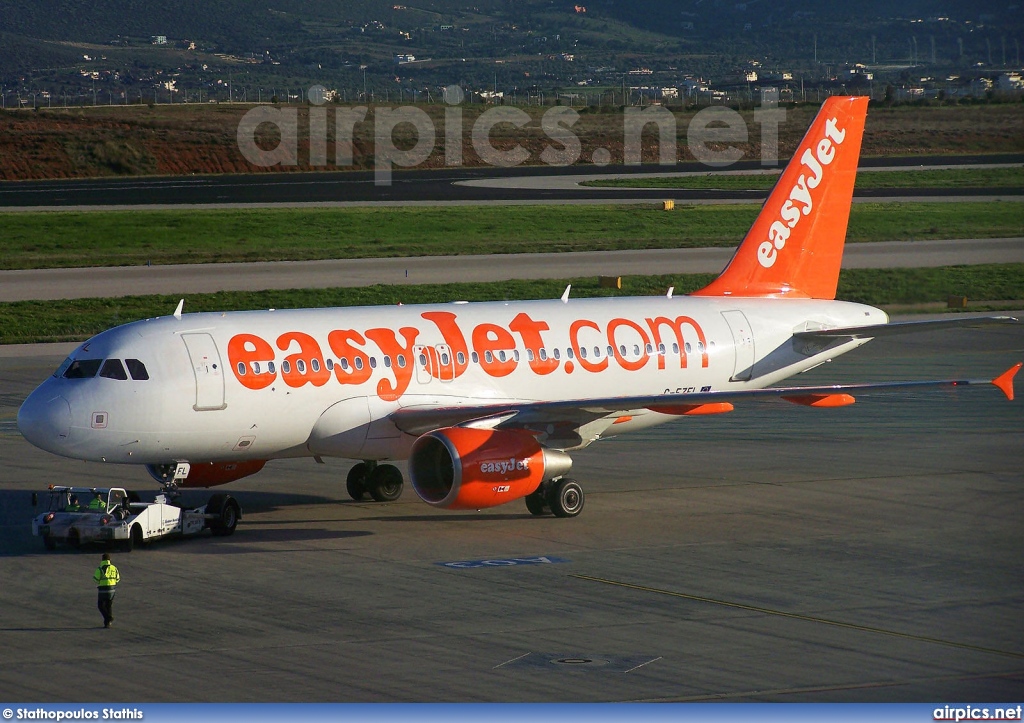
x: 708, y: 135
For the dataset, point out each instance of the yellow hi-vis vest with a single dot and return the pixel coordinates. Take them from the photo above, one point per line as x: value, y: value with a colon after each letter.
x: 106, y: 574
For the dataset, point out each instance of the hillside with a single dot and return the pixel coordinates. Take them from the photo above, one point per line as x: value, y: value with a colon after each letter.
x: 124, y: 46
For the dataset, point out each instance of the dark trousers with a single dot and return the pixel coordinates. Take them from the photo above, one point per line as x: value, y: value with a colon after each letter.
x: 105, y: 603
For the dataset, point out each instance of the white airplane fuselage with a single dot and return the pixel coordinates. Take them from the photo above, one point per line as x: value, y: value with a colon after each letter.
x: 262, y: 385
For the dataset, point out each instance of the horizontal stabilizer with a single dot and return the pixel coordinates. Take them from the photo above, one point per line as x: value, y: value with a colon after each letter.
x: 903, y: 327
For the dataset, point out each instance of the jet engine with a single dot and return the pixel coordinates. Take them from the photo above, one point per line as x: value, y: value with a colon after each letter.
x: 207, y: 474
x: 463, y: 468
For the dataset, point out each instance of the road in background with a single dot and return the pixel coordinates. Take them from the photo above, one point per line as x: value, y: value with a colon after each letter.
x: 440, y: 185
x: 22, y: 285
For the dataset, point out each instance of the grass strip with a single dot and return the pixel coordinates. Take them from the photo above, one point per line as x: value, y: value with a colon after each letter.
x: 78, y: 319
x: 129, y: 238
x: 932, y: 178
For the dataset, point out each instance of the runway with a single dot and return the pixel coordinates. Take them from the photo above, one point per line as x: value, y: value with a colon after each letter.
x: 21, y: 285
x: 778, y: 553
x: 525, y: 184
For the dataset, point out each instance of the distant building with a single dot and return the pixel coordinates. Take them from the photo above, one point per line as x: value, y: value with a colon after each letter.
x: 404, y: 58
x: 1010, y: 81
x: 159, y: 39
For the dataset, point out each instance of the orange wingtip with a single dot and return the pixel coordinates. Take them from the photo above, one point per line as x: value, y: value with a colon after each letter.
x: 1005, y: 380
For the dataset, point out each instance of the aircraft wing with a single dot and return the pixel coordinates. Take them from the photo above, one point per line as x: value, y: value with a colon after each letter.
x: 902, y: 327
x: 556, y: 418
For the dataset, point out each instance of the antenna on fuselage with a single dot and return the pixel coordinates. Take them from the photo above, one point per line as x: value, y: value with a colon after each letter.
x: 671, y: 289
x: 565, y: 294
x: 177, y: 311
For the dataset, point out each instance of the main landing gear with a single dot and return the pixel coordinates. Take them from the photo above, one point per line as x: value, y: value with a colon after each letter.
x: 383, y: 482
x: 563, y: 497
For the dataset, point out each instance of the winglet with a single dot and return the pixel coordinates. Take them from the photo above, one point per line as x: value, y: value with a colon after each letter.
x: 1005, y: 380
x: 177, y: 311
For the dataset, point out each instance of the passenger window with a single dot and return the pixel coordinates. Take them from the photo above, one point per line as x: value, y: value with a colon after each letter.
x: 476, y: 358
x: 359, y: 362
x: 137, y: 369
x: 344, y: 363
x: 387, y: 362
x: 568, y: 352
x: 271, y: 368
x: 300, y: 366
x: 515, y: 354
x: 286, y: 367
x: 597, y: 352
x: 329, y: 363
x: 314, y: 364
x: 556, y: 353
x: 488, y: 356
x: 241, y: 369
x: 583, y: 352
x: 461, y: 357
x: 543, y: 354
x: 401, y: 361
x: 373, y: 362
x: 529, y: 354
x: 83, y: 369
x: 113, y: 369
x: 501, y: 356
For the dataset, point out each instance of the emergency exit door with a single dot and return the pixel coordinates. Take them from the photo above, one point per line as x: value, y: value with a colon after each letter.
x: 743, y: 344
x: 208, y: 370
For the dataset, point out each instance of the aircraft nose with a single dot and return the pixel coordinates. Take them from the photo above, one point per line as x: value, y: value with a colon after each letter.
x: 45, y: 420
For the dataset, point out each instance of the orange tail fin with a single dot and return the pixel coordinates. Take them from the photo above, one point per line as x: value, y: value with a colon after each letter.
x: 795, y: 247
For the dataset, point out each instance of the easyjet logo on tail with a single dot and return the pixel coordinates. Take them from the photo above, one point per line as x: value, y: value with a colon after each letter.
x: 801, y: 201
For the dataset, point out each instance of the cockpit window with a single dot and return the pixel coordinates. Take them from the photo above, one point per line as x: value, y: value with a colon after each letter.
x: 82, y: 369
x: 137, y: 369
x: 113, y: 369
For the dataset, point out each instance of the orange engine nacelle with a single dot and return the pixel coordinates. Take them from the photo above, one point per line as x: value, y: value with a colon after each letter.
x: 461, y: 468
x: 208, y: 474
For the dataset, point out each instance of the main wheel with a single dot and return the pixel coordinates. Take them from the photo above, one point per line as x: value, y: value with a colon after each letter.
x: 385, y: 483
x: 536, y: 503
x: 355, y: 484
x: 566, y: 498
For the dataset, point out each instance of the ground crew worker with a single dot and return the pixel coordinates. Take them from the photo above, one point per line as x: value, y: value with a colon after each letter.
x: 106, y: 577
x: 97, y: 503
x: 73, y: 505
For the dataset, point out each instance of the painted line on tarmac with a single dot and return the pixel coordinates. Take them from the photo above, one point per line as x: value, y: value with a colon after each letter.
x: 806, y: 618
